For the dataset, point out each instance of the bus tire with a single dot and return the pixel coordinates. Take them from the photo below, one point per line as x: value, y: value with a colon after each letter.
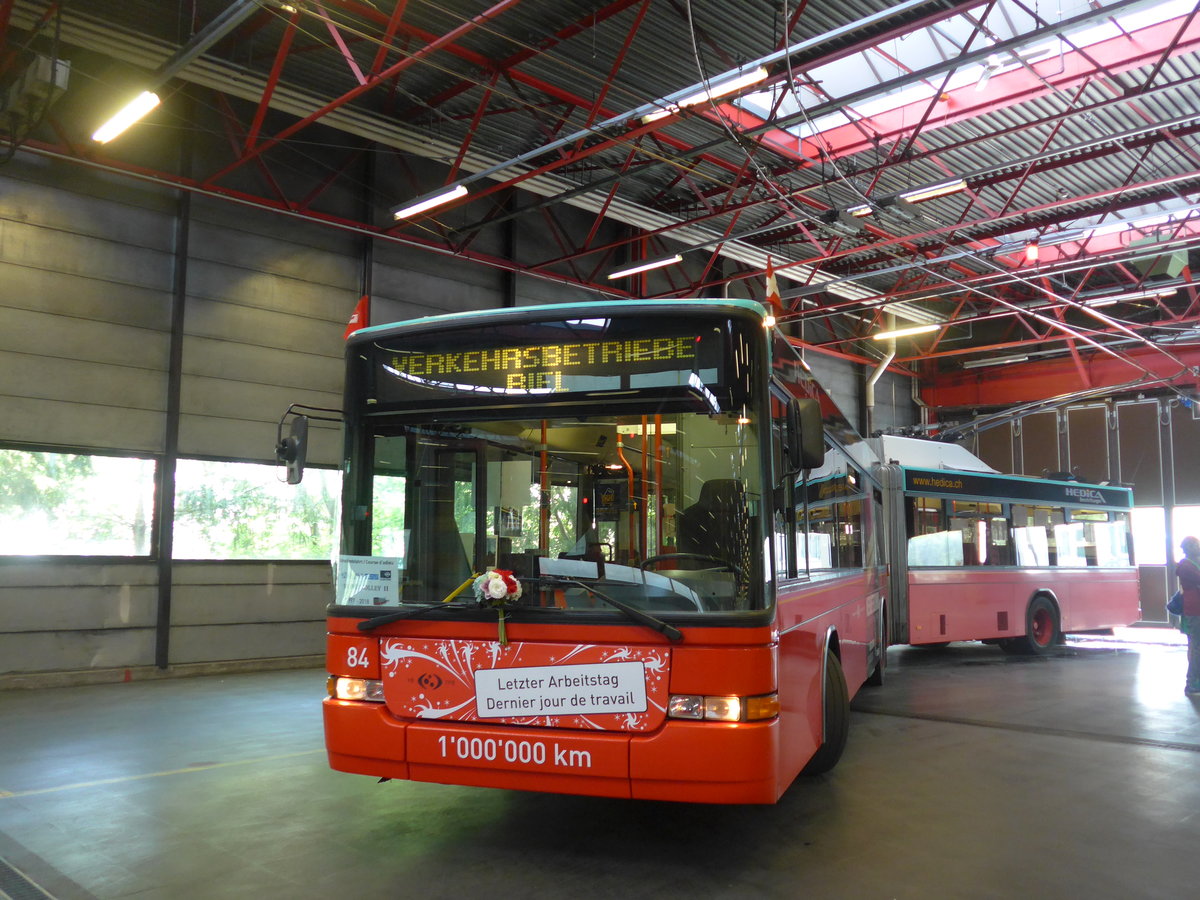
x: 836, y: 703
x: 1042, y: 629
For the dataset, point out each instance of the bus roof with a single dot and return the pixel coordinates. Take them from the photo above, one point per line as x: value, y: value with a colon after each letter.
x: 926, y: 454
x: 566, y: 311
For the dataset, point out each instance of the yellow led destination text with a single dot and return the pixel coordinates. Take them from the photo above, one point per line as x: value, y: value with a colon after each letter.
x: 545, y: 364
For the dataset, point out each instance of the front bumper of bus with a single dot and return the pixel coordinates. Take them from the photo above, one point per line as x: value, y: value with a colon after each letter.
x: 698, y: 762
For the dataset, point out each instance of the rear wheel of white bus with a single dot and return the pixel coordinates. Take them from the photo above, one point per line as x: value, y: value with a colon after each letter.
x: 1042, y: 629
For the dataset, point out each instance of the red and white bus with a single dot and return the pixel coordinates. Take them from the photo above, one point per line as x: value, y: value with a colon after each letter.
x: 574, y: 556
x: 1011, y: 560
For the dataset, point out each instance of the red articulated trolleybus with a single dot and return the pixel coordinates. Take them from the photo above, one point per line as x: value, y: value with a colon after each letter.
x: 574, y: 555
x: 1005, y: 559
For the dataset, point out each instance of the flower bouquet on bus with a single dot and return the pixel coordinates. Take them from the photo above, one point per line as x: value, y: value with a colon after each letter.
x: 497, y: 589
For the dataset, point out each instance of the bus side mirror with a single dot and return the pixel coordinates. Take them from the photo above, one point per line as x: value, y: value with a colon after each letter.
x: 293, y: 449
x: 806, y: 435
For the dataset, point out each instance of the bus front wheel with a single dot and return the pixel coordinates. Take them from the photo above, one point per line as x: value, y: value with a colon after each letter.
x: 836, y: 701
x: 1042, y: 629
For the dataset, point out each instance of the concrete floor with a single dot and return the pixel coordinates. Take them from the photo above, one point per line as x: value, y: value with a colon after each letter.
x: 969, y: 774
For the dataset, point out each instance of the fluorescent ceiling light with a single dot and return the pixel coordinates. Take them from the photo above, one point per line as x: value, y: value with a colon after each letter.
x: 646, y: 266
x: 1146, y: 294
x: 916, y: 195
x: 403, y: 212
x: 863, y: 209
x: 732, y: 85
x: 841, y: 221
x: 994, y: 361
x: 906, y: 332
x: 649, y: 427
x: 130, y: 113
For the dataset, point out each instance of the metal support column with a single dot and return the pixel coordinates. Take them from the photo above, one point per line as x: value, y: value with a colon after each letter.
x: 164, y: 504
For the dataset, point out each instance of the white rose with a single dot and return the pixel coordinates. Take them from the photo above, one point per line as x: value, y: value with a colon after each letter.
x: 496, y: 589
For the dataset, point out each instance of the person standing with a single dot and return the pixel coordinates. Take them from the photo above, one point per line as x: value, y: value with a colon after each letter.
x: 1188, y: 573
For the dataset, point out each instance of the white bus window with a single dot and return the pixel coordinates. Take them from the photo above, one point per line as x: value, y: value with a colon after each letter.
x: 1032, y: 545
x: 820, y: 549
x: 1111, y: 542
x: 940, y: 548
x: 1070, y: 545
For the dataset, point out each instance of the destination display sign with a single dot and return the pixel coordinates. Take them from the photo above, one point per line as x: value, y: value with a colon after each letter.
x: 540, y: 359
x: 546, y: 368
x: 947, y: 483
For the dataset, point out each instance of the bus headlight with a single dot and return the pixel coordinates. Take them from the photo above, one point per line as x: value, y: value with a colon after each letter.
x: 355, y: 689
x: 723, y: 709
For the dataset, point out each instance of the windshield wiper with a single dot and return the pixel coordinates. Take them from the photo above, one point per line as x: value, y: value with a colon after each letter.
x: 369, y: 624
x: 644, y: 618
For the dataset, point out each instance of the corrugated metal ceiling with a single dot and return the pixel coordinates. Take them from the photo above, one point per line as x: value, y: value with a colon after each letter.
x: 1081, y: 138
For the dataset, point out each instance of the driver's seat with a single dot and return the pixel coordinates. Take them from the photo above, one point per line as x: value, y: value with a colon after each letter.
x: 718, y: 523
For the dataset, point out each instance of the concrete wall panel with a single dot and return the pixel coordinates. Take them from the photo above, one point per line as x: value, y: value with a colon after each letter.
x: 57, y: 422
x: 68, y: 609
x: 60, y: 337
x: 39, y: 198
x: 81, y: 297
x: 214, y: 643
x: 78, y: 381
x: 79, y: 650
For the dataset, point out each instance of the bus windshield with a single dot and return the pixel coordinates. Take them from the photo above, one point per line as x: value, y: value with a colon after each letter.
x: 613, y: 454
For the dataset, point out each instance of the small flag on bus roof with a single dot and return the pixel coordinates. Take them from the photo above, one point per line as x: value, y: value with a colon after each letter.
x: 358, y: 319
x: 773, y: 300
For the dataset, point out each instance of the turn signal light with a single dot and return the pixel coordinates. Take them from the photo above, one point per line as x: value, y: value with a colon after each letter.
x: 723, y: 709
x: 355, y: 689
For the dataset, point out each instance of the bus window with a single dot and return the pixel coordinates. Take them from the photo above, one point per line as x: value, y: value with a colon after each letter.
x: 388, y: 537
x: 1037, y: 531
x: 834, y: 536
x: 930, y: 541
x: 984, y: 532
x: 451, y: 500
x: 962, y: 533
x: 1105, y: 537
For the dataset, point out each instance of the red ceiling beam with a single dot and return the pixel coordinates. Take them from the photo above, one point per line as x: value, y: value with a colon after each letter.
x: 264, y: 102
x: 440, y: 43
x: 389, y: 33
x: 1041, y: 380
